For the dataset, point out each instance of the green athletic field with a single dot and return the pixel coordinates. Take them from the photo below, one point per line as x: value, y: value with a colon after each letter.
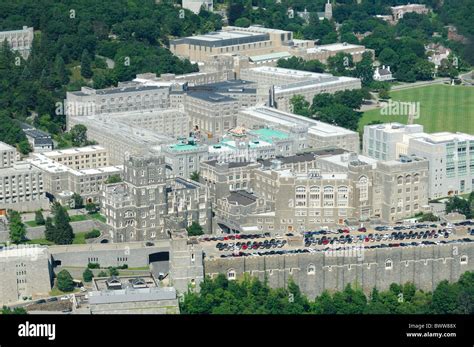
x: 443, y: 108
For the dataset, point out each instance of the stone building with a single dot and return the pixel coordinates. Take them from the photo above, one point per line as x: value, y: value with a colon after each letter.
x: 138, y: 208
x: 318, y: 134
x: 425, y: 267
x: 196, y: 5
x: 307, y: 191
x: 60, y: 180
x: 254, y: 40
x: 450, y: 155
x: 26, y: 272
x: 119, y: 138
x: 214, y: 114
x: 22, y: 187
x: 80, y: 157
x: 282, y: 84
x: 8, y: 155
x: 129, y: 96
x: 399, y: 11
x: 20, y: 41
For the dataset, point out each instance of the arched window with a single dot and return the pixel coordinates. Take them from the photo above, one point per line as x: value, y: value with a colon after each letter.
x: 400, y: 180
x: 328, y: 196
x: 416, y: 178
x: 311, y: 269
x: 388, y: 264
x: 314, y: 196
x: 231, y: 274
x: 408, y: 179
x: 300, y: 196
x: 363, y: 186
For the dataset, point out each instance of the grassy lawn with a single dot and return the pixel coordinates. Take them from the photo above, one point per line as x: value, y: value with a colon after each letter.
x: 78, y: 218
x: 31, y: 223
x: 97, y: 216
x: 443, y: 108
x: 79, y: 239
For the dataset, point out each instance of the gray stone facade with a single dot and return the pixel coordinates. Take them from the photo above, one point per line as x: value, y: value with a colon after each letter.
x: 313, y: 273
x: 138, y: 208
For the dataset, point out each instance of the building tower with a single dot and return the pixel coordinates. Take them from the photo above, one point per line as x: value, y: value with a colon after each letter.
x: 328, y: 10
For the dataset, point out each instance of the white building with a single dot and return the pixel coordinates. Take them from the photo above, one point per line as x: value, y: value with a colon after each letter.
x: 26, y: 272
x: 450, y: 155
x: 8, y: 155
x: 80, y: 157
x: 195, y: 5
x: 380, y: 140
x: 278, y: 85
x: 451, y: 158
x: 21, y: 188
x: 19, y: 40
x: 383, y: 73
x: 318, y: 134
x: 60, y: 179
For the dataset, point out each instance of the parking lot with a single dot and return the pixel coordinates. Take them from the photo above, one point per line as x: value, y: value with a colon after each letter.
x: 413, y: 235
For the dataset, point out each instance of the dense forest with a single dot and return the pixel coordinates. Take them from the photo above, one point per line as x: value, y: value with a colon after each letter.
x: 72, y: 40
x: 251, y: 296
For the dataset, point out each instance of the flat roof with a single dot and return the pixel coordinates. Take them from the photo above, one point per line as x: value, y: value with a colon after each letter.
x: 6, y: 147
x: 270, y: 56
x: 131, y: 295
x: 334, y: 47
x: 23, y: 251
x: 269, y: 135
x: 241, y: 197
x: 223, y: 38
x: 210, y: 96
x: 75, y: 150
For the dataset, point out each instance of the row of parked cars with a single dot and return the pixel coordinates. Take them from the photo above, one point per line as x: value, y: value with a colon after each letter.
x: 376, y: 237
x: 311, y: 250
x: 250, y: 245
x: 259, y: 254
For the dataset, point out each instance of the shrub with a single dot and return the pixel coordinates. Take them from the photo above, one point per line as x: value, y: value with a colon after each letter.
x: 93, y: 266
x: 93, y: 234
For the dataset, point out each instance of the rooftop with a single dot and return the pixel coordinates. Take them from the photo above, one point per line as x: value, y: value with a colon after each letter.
x: 6, y: 147
x: 76, y: 150
x: 269, y: 135
x: 241, y: 197
x: 210, y: 96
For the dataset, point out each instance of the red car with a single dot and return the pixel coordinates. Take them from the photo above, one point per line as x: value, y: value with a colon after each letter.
x: 362, y: 230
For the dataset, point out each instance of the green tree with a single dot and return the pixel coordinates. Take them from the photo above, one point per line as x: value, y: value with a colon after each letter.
x: 195, y: 176
x: 87, y: 275
x: 79, y: 135
x: 103, y: 274
x: 364, y: 69
x: 195, y: 229
x: 77, y: 200
x: 16, y: 310
x: 65, y: 282
x: 113, y: 179
x: 91, y: 207
x: 16, y: 227
x: 39, y: 218
x: 50, y: 230
x: 63, y: 233
x: 113, y: 271
x: 86, y: 68
x: 300, y: 106
x: 445, y: 298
